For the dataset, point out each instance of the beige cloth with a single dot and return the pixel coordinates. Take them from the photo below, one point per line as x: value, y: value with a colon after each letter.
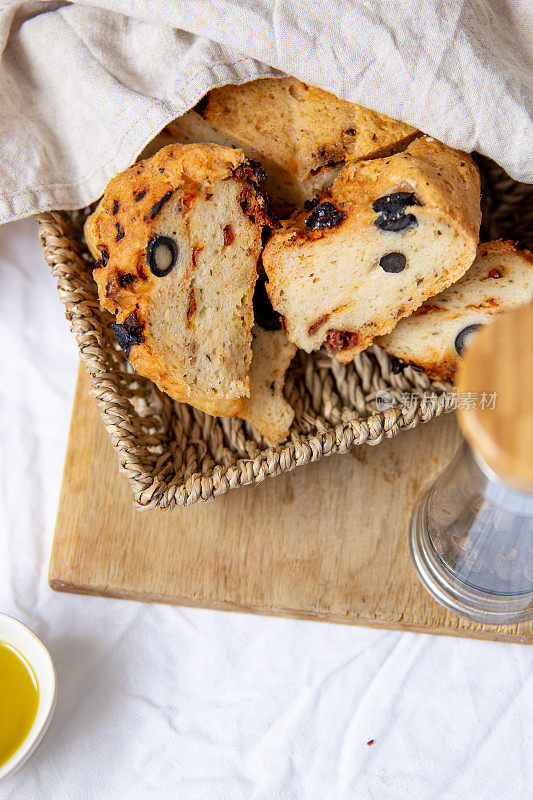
x: 83, y: 87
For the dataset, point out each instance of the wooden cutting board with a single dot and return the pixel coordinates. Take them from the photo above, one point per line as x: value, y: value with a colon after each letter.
x: 325, y: 542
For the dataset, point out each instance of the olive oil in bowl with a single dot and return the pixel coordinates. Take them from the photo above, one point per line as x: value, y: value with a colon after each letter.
x: 19, y: 700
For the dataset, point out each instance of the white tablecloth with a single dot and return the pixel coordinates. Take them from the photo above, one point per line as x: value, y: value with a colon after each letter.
x: 162, y: 702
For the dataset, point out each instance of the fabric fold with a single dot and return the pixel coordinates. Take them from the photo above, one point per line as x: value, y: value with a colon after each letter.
x: 84, y: 87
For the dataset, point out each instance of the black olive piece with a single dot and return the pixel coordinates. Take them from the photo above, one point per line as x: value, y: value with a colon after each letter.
x: 462, y: 336
x: 396, y: 223
x: 104, y: 256
x: 397, y: 365
x: 165, y: 246
x: 264, y: 314
x: 398, y: 201
x: 310, y: 204
x: 129, y: 333
x: 391, y: 211
x: 156, y: 208
x: 325, y: 215
x: 393, y: 262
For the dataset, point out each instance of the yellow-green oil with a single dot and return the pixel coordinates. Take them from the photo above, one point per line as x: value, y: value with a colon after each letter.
x: 19, y: 698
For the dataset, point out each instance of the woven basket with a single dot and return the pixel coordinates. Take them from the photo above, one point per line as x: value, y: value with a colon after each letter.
x: 174, y: 455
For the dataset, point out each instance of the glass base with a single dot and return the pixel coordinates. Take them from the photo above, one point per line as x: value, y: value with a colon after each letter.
x: 451, y: 592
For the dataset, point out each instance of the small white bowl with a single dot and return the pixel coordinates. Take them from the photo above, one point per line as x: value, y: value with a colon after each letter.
x: 31, y: 648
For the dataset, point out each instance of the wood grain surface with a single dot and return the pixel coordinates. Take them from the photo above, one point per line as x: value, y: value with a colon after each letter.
x: 325, y: 542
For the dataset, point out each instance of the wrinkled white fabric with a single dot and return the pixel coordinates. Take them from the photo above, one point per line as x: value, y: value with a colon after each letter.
x: 85, y: 85
x: 164, y: 703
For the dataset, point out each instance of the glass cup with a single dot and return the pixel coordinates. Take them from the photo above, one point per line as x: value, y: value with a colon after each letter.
x: 471, y: 540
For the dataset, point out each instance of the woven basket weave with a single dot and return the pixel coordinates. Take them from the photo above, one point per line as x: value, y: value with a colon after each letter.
x: 174, y: 455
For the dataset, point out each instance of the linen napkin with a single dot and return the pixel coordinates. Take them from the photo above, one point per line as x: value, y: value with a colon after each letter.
x: 85, y: 85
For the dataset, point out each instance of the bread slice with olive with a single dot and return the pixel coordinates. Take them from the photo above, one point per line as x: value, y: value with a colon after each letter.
x: 177, y: 238
x: 301, y: 134
x: 391, y: 233
x: 434, y: 337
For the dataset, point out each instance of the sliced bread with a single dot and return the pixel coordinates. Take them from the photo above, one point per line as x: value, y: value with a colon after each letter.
x: 177, y: 238
x: 301, y: 134
x: 390, y: 233
x: 266, y: 408
x: 435, y: 336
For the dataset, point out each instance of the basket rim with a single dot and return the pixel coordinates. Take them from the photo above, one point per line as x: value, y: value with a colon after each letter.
x: 63, y: 254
